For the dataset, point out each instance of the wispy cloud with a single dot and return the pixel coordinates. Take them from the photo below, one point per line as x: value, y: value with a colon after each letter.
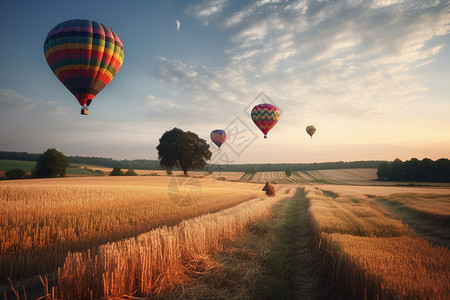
x: 349, y: 57
x: 198, y: 83
x: 256, y: 9
x: 205, y: 10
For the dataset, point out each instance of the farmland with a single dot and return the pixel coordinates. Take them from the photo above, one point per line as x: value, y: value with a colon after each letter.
x: 46, y: 218
x: 359, y: 176
x: 140, y: 235
x: 367, y: 245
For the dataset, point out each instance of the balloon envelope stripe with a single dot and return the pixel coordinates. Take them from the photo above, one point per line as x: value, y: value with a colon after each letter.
x: 60, y: 57
x: 82, y: 50
x: 65, y: 72
x: 82, y: 40
x: 80, y: 30
x: 83, y: 35
x: 106, y: 58
x: 96, y: 44
x: 93, y: 64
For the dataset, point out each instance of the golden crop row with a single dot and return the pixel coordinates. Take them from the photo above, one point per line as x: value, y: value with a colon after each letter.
x: 350, y: 215
x: 374, y: 256
x: 391, y: 268
x: 436, y: 206
x: 158, y: 259
x: 42, y: 220
x: 275, y: 177
x: 346, y: 174
x: 227, y: 175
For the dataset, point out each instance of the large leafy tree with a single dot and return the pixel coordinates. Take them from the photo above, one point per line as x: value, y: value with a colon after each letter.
x: 51, y: 163
x: 185, y: 150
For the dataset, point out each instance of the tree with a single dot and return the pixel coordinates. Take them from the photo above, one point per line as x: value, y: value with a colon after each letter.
x: 397, y: 170
x: 251, y: 170
x: 130, y: 172
x: 288, y: 171
x: 15, y: 174
x: 186, y: 150
x: 442, y: 170
x: 116, y: 172
x: 98, y: 173
x: 383, y: 171
x: 51, y: 163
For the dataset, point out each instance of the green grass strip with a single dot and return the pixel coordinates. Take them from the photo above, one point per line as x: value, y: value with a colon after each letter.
x: 282, y: 259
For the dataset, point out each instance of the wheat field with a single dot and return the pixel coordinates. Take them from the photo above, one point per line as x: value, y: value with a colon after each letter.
x: 44, y: 219
x: 159, y: 259
x: 135, y: 236
x: 371, y: 254
x: 232, y: 176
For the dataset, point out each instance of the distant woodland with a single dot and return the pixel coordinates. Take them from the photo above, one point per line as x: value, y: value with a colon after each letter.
x: 144, y: 164
x: 425, y: 170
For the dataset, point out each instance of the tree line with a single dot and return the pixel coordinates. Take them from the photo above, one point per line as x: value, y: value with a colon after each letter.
x: 425, y: 170
x: 137, y: 164
x: 53, y: 163
x: 145, y: 164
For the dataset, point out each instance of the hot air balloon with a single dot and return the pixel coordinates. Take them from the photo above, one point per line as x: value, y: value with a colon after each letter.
x: 310, y: 130
x: 218, y: 136
x: 85, y: 56
x: 265, y: 116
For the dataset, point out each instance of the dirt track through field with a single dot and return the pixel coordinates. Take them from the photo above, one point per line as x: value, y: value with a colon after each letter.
x: 310, y: 280
x: 277, y: 259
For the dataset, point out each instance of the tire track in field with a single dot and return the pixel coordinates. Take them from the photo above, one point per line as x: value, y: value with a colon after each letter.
x: 310, y: 279
x: 292, y: 268
x: 277, y: 259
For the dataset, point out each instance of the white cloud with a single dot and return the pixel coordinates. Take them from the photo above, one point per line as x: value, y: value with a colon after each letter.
x: 252, y: 35
x: 383, y: 3
x: 206, y: 10
x: 9, y: 99
x: 357, y: 57
x: 153, y: 101
x: 254, y: 9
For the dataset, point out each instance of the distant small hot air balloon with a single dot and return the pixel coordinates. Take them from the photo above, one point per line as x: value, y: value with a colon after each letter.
x: 265, y: 116
x: 218, y: 137
x: 85, y: 56
x: 311, y: 130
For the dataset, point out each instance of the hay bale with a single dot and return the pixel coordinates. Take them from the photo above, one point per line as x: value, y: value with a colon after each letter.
x: 269, y: 189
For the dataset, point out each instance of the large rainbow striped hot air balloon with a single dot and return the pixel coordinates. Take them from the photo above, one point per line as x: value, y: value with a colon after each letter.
x: 265, y: 116
x: 85, y: 56
x: 218, y: 137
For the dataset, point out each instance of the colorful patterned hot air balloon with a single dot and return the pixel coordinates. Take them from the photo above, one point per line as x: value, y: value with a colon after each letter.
x: 265, y: 116
x: 311, y: 130
x: 85, y: 56
x: 218, y: 136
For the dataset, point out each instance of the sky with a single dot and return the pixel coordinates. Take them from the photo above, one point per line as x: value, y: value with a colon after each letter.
x: 372, y: 76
